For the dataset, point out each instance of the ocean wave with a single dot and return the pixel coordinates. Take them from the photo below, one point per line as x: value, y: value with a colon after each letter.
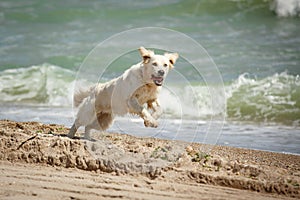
x: 286, y: 8
x: 273, y: 99
x: 44, y: 84
x: 282, y: 8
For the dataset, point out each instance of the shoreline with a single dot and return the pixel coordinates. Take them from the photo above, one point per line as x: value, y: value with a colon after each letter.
x: 276, y: 138
x: 252, y: 172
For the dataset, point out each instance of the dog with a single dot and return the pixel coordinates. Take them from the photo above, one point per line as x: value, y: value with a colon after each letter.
x: 135, y: 91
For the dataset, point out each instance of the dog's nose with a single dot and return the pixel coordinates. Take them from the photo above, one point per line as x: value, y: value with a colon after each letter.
x: 161, y: 72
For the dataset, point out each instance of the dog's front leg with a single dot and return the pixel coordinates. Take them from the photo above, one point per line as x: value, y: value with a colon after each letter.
x: 135, y: 107
x: 157, y: 110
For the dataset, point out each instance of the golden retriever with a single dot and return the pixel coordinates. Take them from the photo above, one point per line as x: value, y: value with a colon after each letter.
x: 135, y: 91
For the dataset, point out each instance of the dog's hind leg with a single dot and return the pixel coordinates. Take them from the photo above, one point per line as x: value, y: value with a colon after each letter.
x: 87, y: 132
x: 89, y: 127
x: 72, y: 131
x: 104, y: 120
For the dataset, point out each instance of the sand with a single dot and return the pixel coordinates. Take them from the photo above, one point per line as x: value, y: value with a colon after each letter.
x: 37, y: 161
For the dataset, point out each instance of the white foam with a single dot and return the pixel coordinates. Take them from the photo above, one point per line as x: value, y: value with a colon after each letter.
x: 286, y: 8
x: 190, y: 101
x: 44, y: 84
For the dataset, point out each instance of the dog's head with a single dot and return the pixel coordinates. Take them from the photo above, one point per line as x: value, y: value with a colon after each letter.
x: 156, y: 67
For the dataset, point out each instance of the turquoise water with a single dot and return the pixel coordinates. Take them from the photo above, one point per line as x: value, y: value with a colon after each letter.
x: 241, y: 36
x: 254, y: 43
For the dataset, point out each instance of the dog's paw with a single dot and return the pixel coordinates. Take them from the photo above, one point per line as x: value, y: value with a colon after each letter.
x: 151, y: 123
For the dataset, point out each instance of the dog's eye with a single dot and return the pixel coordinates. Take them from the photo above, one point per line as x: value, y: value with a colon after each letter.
x: 154, y: 64
x: 165, y: 65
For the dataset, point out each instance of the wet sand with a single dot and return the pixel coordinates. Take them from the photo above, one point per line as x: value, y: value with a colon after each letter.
x: 38, y: 162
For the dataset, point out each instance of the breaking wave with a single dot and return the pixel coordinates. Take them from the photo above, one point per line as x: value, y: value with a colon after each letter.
x: 44, y: 84
x: 286, y: 8
x: 273, y: 99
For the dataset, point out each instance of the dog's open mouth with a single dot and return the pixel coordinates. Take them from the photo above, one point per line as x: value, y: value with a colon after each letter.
x: 158, y: 80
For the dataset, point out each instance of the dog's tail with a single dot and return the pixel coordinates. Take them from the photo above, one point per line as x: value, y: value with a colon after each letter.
x: 81, y: 94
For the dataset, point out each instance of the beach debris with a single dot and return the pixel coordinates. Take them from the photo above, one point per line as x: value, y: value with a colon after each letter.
x: 31, y: 138
x: 197, y: 155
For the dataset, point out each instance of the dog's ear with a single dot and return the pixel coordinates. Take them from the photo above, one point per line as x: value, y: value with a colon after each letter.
x: 146, y: 54
x: 172, y: 58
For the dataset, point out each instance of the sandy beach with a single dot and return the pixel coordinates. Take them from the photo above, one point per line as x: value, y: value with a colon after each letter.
x: 37, y: 161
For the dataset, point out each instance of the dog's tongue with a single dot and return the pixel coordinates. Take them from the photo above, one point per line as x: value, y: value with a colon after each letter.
x: 157, y: 78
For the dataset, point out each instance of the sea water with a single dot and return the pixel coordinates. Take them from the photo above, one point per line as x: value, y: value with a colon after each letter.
x: 255, y: 45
